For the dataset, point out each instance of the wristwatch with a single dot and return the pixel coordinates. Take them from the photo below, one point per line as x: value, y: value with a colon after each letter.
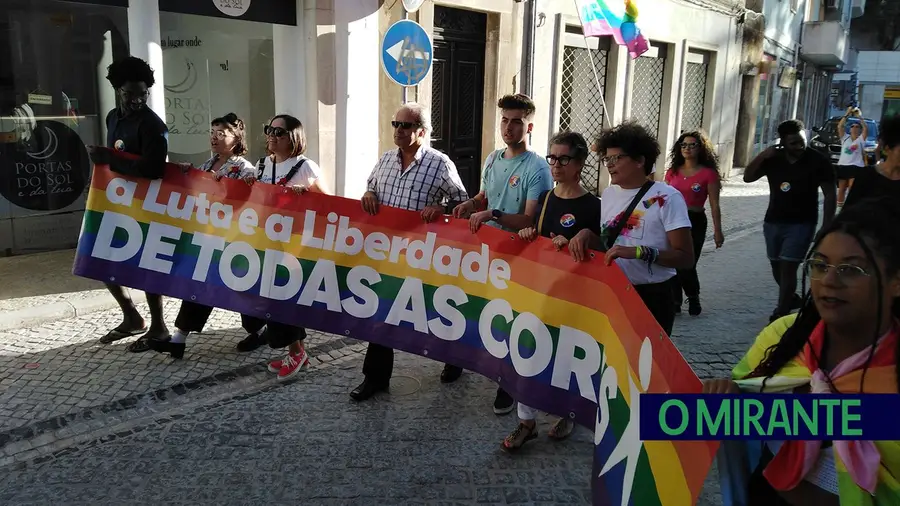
x: 496, y: 214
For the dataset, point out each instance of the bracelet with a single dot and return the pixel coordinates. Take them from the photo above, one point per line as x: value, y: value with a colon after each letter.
x: 638, y: 252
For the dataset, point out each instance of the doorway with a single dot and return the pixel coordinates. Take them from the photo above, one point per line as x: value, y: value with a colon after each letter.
x: 457, y: 90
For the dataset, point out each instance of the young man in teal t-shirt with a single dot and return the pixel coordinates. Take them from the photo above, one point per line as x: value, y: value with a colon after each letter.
x: 511, y: 181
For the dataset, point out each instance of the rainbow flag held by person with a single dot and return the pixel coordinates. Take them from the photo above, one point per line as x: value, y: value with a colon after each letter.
x: 570, y: 338
x: 604, y: 17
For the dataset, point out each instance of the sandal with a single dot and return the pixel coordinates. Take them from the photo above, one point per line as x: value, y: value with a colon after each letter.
x: 519, y: 437
x: 561, y: 429
x: 141, y: 344
x: 117, y: 334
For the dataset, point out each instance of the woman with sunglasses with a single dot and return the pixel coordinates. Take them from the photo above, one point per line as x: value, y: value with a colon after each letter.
x: 853, y: 151
x: 845, y: 339
x: 694, y: 171
x: 562, y: 213
x: 284, y: 165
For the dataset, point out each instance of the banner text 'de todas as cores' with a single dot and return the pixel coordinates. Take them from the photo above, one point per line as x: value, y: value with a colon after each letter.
x: 573, y: 339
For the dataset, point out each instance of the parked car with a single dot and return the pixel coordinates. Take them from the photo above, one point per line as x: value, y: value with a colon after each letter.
x: 825, y: 138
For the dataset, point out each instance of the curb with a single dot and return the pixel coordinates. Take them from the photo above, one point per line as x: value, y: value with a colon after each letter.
x: 37, y: 315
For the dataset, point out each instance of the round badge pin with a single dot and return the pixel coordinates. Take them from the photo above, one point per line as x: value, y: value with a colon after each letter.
x: 696, y: 187
x: 567, y: 220
x: 119, y: 145
x: 785, y: 187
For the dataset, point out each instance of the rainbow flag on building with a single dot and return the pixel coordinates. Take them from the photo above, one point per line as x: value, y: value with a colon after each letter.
x: 604, y: 17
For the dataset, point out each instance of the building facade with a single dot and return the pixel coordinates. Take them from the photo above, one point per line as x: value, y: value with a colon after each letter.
x: 319, y: 60
x: 255, y: 58
x: 788, y: 69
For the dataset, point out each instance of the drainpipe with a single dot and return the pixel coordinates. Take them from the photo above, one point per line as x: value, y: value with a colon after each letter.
x: 526, y: 84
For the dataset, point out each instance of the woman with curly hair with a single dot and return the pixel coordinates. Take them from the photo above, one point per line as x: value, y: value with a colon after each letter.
x: 844, y: 340
x: 644, y: 227
x: 694, y: 171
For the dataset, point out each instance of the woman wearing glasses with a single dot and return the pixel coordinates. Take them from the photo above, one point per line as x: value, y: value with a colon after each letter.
x: 694, y: 171
x: 562, y: 213
x: 645, y: 227
x: 227, y: 141
x: 844, y: 340
x: 284, y: 165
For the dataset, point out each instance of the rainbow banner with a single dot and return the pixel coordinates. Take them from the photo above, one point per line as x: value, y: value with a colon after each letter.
x: 599, y: 18
x: 573, y: 339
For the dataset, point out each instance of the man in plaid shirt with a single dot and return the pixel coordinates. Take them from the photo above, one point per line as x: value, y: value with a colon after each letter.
x: 414, y: 177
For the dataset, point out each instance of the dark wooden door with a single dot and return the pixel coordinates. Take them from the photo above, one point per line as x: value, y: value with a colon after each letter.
x: 458, y: 90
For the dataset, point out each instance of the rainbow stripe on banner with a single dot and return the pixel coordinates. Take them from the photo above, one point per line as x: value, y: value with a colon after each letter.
x: 558, y: 335
x: 600, y: 17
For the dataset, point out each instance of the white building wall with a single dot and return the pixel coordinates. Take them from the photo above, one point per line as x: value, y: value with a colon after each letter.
x: 878, y: 70
x: 680, y: 26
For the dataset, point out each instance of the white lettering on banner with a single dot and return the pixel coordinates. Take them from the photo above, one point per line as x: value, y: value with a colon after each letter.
x: 209, y: 244
x: 477, y: 266
x: 267, y: 287
x: 127, y: 191
x: 629, y: 446
x: 103, y: 244
x: 278, y: 275
x: 248, y: 221
x: 154, y: 246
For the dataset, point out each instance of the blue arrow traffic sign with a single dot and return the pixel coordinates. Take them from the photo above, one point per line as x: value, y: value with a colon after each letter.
x: 406, y: 53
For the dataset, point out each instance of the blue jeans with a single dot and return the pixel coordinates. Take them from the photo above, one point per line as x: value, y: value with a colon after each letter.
x: 788, y: 242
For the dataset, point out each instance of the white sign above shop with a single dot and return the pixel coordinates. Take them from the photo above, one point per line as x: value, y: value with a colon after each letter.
x: 233, y: 8
x: 412, y: 5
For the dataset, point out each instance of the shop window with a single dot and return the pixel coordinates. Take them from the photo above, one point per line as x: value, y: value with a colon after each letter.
x: 213, y: 66
x: 53, y: 101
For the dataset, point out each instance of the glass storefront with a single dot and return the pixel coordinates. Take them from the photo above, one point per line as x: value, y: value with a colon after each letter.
x: 214, y: 66
x: 53, y: 99
x: 218, y: 57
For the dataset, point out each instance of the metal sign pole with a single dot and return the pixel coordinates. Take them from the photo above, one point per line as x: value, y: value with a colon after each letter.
x: 404, y: 98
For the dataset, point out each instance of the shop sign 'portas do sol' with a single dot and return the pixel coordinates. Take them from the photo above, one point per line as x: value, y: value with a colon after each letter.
x: 47, y: 171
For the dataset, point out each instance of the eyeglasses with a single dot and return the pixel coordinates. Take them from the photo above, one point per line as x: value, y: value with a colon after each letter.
x: 611, y: 160
x: 561, y: 160
x: 688, y: 145
x: 271, y: 131
x: 220, y: 134
x: 406, y: 125
x: 847, y: 273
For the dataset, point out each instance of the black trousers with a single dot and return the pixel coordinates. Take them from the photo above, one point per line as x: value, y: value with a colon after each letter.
x: 192, y: 317
x: 687, y: 280
x: 659, y: 299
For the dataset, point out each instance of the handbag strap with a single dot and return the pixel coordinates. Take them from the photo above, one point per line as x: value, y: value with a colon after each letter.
x: 617, y: 229
x: 543, y: 211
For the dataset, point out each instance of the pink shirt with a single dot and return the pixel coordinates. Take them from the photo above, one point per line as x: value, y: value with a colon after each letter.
x: 695, y: 189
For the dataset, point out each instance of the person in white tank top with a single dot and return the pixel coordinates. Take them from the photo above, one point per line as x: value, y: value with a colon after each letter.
x: 853, y: 151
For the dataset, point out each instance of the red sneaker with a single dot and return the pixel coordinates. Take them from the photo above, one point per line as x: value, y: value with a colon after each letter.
x: 292, y: 364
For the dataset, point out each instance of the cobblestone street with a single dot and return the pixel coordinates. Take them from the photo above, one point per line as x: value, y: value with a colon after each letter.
x: 83, y: 423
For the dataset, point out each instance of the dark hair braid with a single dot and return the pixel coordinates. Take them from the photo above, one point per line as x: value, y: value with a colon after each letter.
x: 874, y: 220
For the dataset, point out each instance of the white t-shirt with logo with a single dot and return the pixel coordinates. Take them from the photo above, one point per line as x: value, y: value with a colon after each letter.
x: 307, y: 174
x: 661, y: 210
x: 852, y: 151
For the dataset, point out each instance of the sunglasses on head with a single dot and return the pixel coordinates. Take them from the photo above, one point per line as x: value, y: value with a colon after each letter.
x: 271, y: 131
x: 406, y: 125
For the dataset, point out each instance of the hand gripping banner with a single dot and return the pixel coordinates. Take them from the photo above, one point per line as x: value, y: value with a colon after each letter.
x: 572, y: 339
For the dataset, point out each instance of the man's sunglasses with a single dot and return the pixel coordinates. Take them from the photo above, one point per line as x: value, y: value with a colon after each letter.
x: 271, y: 131
x: 406, y: 125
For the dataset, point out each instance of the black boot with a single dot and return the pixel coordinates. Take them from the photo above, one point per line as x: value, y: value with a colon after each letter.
x: 694, y: 307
